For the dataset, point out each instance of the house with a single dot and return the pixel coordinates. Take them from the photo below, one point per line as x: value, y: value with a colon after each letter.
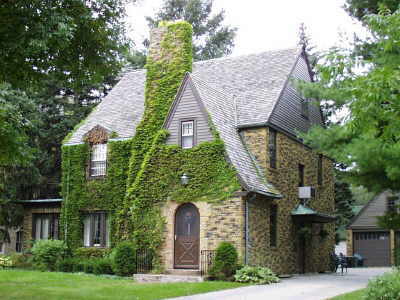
x: 224, y: 163
x: 364, y: 236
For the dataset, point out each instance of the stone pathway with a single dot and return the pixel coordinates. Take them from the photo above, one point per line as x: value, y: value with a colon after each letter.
x: 302, y: 287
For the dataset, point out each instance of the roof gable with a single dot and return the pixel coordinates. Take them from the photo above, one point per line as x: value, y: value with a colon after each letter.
x: 187, y: 106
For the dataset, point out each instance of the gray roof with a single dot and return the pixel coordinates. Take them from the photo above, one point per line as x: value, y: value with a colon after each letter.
x: 221, y: 108
x: 255, y: 80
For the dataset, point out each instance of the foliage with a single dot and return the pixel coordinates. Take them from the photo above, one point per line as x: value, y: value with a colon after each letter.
x: 81, y: 193
x: 6, y: 261
x: 385, y: 287
x: 225, y: 262
x: 360, y: 8
x: 369, y: 139
x: 103, y: 266
x: 21, y: 260
x: 47, y: 252
x: 343, y: 200
x: 257, y: 275
x: 125, y: 259
x: 361, y: 195
x: 212, y: 39
x: 390, y: 220
x: 28, y: 285
x: 66, y: 264
x: 91, y: 252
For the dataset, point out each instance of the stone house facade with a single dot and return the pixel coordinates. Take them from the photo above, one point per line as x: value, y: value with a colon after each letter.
x: 251, y: 104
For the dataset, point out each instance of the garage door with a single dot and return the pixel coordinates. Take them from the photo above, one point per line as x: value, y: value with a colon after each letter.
x: 374, y: 247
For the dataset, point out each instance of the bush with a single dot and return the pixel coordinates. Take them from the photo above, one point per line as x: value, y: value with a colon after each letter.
x: 6, y: 261
x: 20, y: 260
x: 88, y: 266
x: 102, y: 266
x: 385, y: 287
x: 125, y: 259
x: 47, y: 252
x: 225, y: 262
x: 258, y: 275
x: 91, y: 252
x: 79, y: 265
x: 66, y: 265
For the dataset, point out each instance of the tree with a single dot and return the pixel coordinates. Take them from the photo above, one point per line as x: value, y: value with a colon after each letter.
x: 360, y: 8
x: 368, y: 138
x: 64, y: 54
x: 211, y: 39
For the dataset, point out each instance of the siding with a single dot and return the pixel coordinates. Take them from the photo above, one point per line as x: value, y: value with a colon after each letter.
x: 287, y: 112
x: 188, y: 106
x: 367, y: 216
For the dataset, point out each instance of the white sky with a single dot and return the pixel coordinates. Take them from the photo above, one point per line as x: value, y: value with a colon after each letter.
x: 266, y: 24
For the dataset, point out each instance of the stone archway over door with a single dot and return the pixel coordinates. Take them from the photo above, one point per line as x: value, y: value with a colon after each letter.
x: 187, y: 237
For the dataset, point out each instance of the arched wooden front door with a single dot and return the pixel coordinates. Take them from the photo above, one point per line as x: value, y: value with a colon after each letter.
x: 187, y: 237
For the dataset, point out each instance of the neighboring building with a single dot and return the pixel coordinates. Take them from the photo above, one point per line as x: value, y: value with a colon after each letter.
x: 248, y: 102
x: 364, y: 236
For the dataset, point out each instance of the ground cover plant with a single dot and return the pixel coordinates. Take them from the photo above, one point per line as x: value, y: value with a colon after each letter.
x: 258, y: 275
x: 32, y: 285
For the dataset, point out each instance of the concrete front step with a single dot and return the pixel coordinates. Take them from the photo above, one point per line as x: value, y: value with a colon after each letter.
x: 186, y: 272
x: 152, y: 278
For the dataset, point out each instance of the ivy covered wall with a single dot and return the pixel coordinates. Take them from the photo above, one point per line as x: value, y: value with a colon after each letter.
x: 82, y: 194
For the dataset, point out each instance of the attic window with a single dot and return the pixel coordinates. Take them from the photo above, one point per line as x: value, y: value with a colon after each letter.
x: 304, y: 108
x: 98, y: 161
x: 187, y: 134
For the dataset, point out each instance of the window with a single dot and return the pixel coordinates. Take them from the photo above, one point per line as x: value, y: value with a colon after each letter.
x: 391, y: 203
x: 304, y: 108
x: 18, y: 242
x: 301, y: 175
x: 96, y: 230
x: 45, y: 226
x: 187, y: 134
x: 320, y: 169
x: 272, y: 148
x: 273, y: 223
x: 98, y: 162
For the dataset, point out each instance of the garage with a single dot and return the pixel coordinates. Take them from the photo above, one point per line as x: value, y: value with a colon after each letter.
x: 373, y: 246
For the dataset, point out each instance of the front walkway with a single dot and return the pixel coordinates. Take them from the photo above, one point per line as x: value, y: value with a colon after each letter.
x: 310, y: 287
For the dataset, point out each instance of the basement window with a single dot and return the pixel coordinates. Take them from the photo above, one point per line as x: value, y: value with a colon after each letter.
x: 96, y: 230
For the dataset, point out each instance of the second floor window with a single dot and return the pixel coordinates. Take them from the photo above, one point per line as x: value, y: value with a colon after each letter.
x: 45, y: 226
x: 301, y: 175
x: 187, y: 134
x: 272, y: 148
x: 98, y: 160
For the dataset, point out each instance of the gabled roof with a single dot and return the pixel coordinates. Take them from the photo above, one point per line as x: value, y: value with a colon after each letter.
x: 255, y: 80
x: 221, y: 108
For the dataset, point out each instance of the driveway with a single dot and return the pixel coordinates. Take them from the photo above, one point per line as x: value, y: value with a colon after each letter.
x: 307, y: 287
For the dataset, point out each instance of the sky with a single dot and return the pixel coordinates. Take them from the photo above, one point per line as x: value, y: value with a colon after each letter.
x: 265, y: 24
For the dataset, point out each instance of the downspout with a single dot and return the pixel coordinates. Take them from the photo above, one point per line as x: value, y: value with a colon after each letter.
x: 247, y: 237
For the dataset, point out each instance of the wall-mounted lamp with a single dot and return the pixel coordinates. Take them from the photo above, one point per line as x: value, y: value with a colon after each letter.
x: 185, y: 179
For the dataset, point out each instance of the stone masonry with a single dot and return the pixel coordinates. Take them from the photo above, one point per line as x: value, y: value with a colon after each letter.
x: 284, y: 258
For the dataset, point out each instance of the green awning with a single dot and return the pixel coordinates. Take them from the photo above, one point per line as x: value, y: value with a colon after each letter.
x: 303, y: 213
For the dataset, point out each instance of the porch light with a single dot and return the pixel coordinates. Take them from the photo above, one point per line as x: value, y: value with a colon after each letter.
x: 185, y: 179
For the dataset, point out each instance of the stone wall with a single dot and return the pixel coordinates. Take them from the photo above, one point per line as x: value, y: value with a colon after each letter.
x: 285, y: 258
x: 218, y: 222
x: 29, y: 210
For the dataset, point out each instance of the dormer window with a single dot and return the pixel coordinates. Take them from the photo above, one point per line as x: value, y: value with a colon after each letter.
x: 98, y: 161
x: 187, y: 134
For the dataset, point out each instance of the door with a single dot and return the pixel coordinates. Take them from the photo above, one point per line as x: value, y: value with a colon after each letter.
x: 374, y: 247
x: 187, y: 237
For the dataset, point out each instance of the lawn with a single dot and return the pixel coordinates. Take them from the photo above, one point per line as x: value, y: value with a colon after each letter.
x: 356, y: 295
x: 21, y: 284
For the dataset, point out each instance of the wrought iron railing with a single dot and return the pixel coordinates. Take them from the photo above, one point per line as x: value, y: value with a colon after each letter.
x: 144, y: 261
x: 206, y: 261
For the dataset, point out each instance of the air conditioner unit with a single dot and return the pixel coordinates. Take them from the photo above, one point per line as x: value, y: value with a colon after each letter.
x: 306, y: 192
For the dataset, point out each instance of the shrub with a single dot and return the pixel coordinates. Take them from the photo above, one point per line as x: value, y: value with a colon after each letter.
x: 20, y: 260
x: 385, y: 287
x: 102, y: 266
x: 78, y: 265
x: 225, y: 262
x: 6, y: 261
x: 47, y: 252
x: 91, y: 252
x: 66, y: 264
x: 88, y: 266
x: 258, y: 275
x: 125, y: 259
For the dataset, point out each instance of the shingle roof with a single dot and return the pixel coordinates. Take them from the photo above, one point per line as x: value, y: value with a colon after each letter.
x: 221, y: 108
x: 256, y: 80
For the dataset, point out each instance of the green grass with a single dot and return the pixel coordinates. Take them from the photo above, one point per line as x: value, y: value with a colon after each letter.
x: 356, y: 295
x: 22, y: 284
